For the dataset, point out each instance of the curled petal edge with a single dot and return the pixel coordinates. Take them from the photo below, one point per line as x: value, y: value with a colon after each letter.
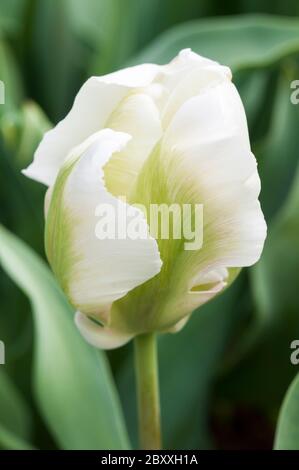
x: 101, y: 337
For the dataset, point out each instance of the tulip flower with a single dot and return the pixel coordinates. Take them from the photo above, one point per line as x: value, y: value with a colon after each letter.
x: 147, y: 135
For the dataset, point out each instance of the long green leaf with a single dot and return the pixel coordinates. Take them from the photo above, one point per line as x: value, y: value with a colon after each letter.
x: 241, y: 42
x: 287, y: 432
x: 263, y: 376
x: 73, y: 385
x: 14, y: 413
x: 278, y: 153
x: 10, y: 441
x: 14, y: 416
x: 11, y: 15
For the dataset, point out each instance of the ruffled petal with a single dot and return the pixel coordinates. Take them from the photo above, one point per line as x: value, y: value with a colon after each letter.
x: 93, y: 105
x: 96, y: 270
x: 137, y: 115
x: 203, y: 159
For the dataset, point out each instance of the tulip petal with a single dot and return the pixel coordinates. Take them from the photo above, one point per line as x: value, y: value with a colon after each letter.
x: 210, y: 137
x: 93, y: 105
x: 95, y: 272
x: 100, y: 96
x: 189, y: 145
x: 100, y: 336
x: 188, y: 75
x: 137, y: 115
x: 187, y: 60
x: 204, y: 158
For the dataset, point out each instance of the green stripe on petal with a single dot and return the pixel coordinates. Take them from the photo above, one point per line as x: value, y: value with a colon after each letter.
x: 94, y: 272
x: 137, y: 115
x: 203, y: 158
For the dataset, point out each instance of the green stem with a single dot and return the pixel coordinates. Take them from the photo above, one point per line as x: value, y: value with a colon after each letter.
x: 146, y: 365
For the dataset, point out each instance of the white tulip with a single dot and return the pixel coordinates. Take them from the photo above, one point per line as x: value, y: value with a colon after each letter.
x: 175, y: 133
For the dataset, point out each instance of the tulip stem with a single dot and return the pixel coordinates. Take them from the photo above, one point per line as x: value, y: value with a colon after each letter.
x: 146, y: 365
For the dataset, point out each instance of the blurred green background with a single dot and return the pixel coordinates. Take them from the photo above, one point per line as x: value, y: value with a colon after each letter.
x: 225, y: 376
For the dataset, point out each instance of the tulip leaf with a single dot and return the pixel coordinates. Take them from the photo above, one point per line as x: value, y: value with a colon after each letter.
x: 10, y: 441
x: 275, y: 172
x: 254, y: 89
x: 287, y: 432
x: 282, y: 140
x: 11, y: 15
x: 14, y: 413
x: 72, y: 381
x: 281, y: 250
x: 15, y: 419
x: 263, y: 376
x: 241, y: 42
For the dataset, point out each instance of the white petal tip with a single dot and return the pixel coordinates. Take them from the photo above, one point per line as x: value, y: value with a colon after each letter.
x: 29, y: 172
x: 26, y: 172
x: 100, y: 336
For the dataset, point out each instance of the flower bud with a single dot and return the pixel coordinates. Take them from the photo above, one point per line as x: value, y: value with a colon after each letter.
x: 152, y: 207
